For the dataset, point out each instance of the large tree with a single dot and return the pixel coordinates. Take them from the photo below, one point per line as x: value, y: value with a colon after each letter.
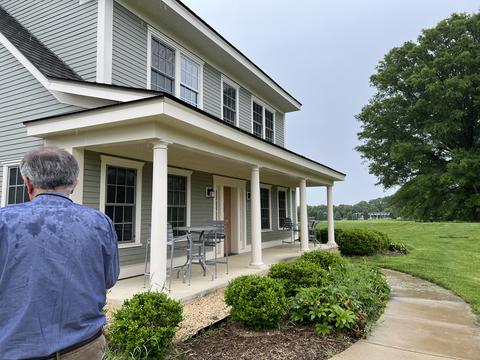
x: 421, y: 129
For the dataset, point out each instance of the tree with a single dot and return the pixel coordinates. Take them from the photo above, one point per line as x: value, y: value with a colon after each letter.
x: 420, y: 131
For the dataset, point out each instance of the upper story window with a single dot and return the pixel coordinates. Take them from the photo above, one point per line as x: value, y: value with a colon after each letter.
x: 163, y: 67
x: 263, y: 121
x: 173, y: 69
x: 189, y: 83
x: 230, y: 103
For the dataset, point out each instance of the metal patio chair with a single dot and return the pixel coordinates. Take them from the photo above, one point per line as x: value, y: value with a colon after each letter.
x: 214, y: 239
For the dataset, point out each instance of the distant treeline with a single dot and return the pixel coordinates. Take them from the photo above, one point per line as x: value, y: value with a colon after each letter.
x: 360, y: 211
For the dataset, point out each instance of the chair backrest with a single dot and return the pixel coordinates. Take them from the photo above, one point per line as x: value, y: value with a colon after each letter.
x: 287, y: 223
x: 312, y: 223
x: 169, y: 234
x: 220, y: 224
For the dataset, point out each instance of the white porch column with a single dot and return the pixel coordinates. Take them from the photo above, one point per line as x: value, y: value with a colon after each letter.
x: 257, y: 261
x: 303, y: 216
x: 158, y: 236
x: 331, y: 234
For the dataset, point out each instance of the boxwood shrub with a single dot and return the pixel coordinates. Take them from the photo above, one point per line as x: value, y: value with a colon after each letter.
x: 361, y: 242
x: 322, y: 234
x: 325, y: 259
x: 257, y: 302
x: 298, y: 274
x: 143, y: 328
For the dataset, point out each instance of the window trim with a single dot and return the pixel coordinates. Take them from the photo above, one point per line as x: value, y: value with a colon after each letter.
x: 180, y: 52
x: 269, y: 188
x: 188, y: 175
x: 225, y: 79
x: 6, y: 166
x: 131, y: 164
x: 264, y: 107
x: 287, y: 212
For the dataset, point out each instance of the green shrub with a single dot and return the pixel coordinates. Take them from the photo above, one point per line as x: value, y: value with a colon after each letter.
x: 322, y: 234
x: 145, y: 325
x: 297, y: 275
x: 355, y: 295
x: 361, y: 242
x: 400, y: 248
x: 325, y: 259
x: 257, y: 302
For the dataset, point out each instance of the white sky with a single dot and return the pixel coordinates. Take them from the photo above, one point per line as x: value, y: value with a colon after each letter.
x: 323, y: 53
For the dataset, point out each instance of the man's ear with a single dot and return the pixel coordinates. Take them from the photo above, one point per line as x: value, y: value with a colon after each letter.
x: 74, y: 186
x: 29, y: 186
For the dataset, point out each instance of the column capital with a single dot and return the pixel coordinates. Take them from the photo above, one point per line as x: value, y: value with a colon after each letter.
x: 256, y: 167
x: 160, y: 144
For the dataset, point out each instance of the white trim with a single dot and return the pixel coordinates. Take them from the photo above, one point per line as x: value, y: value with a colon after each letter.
x: 269, y: 188
x: 104, y: 41
x: 225, y: 79
x: 285, y: 190
x: 6, y: 166
x: 179, y: 52
x: 188, y: 175
x: 137, y: 165
x: 264, y: 106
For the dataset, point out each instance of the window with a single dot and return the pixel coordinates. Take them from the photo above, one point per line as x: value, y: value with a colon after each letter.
x: 263, y: 121
x: 282, y: 208
x: 229, y: 102
x: 162, y: 67
x: 120, y: 201
x: 257, y: 120
x: 177, y: 200
x: 16, y: 190
x: 265, y: 208
x: 189, y: 81
x: 268, y: 126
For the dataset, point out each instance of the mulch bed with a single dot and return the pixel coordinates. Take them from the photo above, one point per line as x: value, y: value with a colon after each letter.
x: 230, y: 340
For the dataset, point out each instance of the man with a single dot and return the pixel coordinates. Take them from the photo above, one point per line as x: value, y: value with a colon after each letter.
x: 57, y: 259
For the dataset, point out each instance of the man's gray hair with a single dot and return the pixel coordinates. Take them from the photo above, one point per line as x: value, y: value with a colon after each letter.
x: 50, y: 167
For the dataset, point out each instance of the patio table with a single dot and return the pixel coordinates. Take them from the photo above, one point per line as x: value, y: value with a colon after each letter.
x: 201, y: 248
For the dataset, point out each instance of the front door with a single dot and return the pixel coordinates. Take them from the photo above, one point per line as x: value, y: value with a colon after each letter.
x: 227, y: 217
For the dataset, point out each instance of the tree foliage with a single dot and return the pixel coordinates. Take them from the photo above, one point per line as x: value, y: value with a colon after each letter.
x: 421, y: 129
x: 358, y: 211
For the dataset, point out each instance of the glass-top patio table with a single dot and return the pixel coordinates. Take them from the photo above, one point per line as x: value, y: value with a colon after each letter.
x: 200, y: 244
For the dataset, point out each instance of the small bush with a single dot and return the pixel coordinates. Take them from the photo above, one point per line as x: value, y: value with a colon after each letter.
x: 400, y: 248
x: 322, y: 234
x: 360, y: 242
x: 297, y: 275
x: 325, y: 259
x: 145, y: 325
x: 257, y: 302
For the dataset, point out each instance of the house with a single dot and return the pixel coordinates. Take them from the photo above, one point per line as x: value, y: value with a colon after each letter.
x: 167, y: 119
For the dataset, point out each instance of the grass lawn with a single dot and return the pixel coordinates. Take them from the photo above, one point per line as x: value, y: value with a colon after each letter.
x: 447, y: 254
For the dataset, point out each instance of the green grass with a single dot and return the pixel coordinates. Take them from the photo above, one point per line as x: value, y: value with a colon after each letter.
x: 447, y: 254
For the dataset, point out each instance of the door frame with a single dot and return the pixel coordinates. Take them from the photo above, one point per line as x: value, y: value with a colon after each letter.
x: 238, y: 208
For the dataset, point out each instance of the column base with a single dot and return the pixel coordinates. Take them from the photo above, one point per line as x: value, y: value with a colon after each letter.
x: 302, y: 251
x: 258, y: 266
x: 329, y: 246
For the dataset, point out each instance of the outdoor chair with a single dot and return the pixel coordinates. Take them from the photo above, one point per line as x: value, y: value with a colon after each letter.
x: 214, y: 239
x: 312, y: 231
x: 292, y: 227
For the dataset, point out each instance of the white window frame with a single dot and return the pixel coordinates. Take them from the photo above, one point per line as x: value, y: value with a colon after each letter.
x: 267, y: 107
x: 180, y: 52
x: 287, y: 212
x: 237, y: 100
x: 269, y: 188
x: 6, y: 166
x: 188, y: 175
x: 131, y: 164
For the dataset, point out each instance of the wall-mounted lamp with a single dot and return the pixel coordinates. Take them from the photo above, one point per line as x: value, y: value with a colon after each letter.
x: 248, y: 195
x: 209, y: 192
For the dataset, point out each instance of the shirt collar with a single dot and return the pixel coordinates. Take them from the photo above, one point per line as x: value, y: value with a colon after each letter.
x: 53, y: 193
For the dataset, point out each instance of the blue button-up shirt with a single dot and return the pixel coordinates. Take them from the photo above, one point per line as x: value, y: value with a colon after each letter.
x: 57, y: 259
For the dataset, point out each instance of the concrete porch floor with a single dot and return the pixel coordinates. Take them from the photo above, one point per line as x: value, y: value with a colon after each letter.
x: 202, y: 285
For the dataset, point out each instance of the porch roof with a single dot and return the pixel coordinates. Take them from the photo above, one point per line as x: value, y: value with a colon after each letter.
x: 176, y: 113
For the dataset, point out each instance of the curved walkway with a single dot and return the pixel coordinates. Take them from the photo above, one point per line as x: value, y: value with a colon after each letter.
x: 422, y: 321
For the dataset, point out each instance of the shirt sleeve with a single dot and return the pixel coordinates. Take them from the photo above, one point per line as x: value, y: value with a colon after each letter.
x: 111, y: 257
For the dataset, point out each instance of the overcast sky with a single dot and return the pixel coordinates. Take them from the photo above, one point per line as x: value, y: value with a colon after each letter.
x: 323, y: 53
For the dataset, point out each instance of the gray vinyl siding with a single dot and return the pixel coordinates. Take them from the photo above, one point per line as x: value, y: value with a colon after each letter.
x: 201, y: 206
x: 245, y: 108
x: 212, y: 85
x: 66, y: 27
x: 280, y: 129
x: 22, y: 98
x: 129, y: 52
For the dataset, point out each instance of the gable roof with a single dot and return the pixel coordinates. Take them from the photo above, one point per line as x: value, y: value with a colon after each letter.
x: 38, y: 54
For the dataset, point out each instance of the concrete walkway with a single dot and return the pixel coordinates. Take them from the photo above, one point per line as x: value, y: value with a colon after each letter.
x: 421, y: 322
